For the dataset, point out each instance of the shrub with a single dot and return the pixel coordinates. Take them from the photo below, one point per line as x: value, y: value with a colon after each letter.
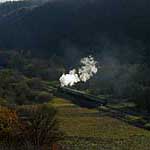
x: 9, y: 126
x: 147, y: 126
x: 43, y: 96
x: 42, y: 127
x: 35, y: 83
x: 134, y: 119
x: 36, y: 127
x: 3, y: 101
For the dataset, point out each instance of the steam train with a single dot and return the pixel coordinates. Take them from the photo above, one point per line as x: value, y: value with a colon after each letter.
x: 81, y: 98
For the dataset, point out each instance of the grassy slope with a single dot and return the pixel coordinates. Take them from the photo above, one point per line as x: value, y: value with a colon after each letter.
x: 88, y: 127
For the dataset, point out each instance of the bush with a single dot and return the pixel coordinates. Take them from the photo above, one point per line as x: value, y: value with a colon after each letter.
x: 147, y: 126
x: 37, y: 127
x: 135, y: 119
x: 9, y: 126
x: 42, y: 128
x: 35, y: 83
x: 43, y: 96
x: 3, y: 101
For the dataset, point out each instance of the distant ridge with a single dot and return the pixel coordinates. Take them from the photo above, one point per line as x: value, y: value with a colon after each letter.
x: 49, y: 25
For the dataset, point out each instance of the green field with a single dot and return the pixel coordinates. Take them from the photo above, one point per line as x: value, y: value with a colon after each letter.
x: 90, y: 129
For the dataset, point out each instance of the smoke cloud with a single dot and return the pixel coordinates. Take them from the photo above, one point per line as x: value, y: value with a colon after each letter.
x: 82, y: 74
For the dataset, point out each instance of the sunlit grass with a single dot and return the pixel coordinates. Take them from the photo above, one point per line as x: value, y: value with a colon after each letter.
x: 59, y: 102
x: 101, y: 129
x: 123, y: 105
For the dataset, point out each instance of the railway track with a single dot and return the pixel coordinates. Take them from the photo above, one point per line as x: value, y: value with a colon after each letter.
x: 90, y: 101
x: 84, y: 99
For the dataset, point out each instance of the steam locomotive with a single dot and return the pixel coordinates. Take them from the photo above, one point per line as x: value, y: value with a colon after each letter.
x: 82, y: 98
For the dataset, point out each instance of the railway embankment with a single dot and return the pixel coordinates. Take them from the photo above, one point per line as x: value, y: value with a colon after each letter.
x: 128, y: 115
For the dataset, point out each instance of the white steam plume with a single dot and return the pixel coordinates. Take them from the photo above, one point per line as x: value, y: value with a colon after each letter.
x: 84, y: 73
x: 69, y: 79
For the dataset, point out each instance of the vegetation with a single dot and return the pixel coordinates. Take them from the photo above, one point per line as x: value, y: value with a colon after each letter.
x: 25, y: 122
x: 122, y: 83
x: 84, y: 28
x: 15, y: 88
x: 89, y: 129
x: 40, y: 40
x: 124, y: 59
x: 9, y: 126
x: 39, y: 129
x: 42, y: 127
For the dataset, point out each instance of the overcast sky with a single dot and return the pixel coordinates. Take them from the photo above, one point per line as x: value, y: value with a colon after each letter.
x: 7, y: 0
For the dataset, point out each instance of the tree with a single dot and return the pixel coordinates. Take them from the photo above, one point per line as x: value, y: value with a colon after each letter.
x: 42, y: 128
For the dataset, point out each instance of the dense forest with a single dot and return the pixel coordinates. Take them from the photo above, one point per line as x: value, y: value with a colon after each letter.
x: 51, y: 25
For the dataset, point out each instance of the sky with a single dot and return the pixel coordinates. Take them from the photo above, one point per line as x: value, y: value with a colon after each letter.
x: 7, y: 0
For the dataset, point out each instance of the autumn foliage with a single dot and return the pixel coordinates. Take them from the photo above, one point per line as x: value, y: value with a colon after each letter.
x: 31, y: 127
x: 9, y: 126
